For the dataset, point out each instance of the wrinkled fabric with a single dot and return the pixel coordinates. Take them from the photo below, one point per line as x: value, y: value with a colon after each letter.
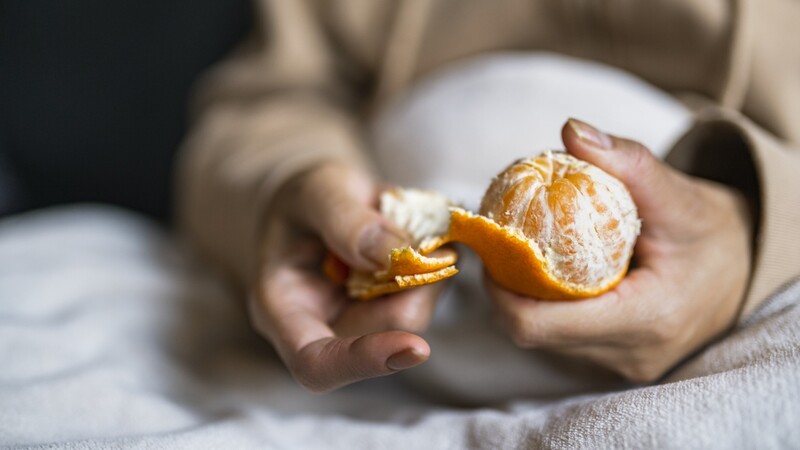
x: 110, y: 337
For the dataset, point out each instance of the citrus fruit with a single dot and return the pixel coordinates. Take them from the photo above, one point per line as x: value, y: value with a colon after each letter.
x: 424, y: 215
x: 552, y: 227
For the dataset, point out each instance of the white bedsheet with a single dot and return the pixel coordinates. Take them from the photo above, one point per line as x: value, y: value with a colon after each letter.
x: 111, y: 337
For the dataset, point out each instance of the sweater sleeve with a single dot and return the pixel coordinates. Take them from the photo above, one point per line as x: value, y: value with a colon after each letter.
x: 279, y: 106
x: 727, y: 147
x: 751, y: 139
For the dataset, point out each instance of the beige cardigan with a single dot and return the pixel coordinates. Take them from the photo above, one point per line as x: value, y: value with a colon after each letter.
x: 298, y: 91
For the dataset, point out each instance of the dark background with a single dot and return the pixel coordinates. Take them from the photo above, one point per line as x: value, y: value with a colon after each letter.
x: 94, y: 95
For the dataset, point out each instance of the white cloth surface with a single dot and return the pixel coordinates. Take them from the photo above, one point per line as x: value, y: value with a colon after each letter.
x: 111, y: 337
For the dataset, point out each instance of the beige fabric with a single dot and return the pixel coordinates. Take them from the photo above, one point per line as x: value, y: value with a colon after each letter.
x: 299, y: 91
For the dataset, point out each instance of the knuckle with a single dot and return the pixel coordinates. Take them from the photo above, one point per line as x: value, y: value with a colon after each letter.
x: 665, y: 329
x: 645, y: 365
x: 522, y: 332
x: 642, y: 372
x: 520, y: 326
x: 641, y: 160
x: 337, y: 234
x: 351, y: 232
x: 408, y: 321
x: 410, y: 318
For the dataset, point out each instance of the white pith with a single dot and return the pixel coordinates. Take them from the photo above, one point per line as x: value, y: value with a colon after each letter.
x: 591, y: 262
x: 423, y: 214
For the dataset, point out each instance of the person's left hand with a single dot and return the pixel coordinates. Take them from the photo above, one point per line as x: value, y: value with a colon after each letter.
x: 325, y: 339
x: 692, y: 265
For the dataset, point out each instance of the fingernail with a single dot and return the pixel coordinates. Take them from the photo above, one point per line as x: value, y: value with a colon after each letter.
x: 378, y: 242
x: 590, y: 135
x: 405, y: 359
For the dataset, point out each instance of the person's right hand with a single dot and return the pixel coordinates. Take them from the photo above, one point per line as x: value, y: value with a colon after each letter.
x: 325, y: 339
x: 693, y: 264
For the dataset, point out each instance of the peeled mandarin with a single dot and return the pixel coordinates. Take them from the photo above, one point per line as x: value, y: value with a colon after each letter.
x: 552, y: 227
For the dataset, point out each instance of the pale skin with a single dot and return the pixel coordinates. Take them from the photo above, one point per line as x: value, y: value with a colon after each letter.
x: 325, y: 339
x: 692, y: 266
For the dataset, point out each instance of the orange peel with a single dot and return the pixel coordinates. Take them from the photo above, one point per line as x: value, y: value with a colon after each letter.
x: 424, y: 216
x: 550, y: 227
x: 408, y: 261
x: 369, y: 288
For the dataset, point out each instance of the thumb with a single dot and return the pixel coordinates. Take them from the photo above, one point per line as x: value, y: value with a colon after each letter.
x: 651, y: 182
x: 339, y: 206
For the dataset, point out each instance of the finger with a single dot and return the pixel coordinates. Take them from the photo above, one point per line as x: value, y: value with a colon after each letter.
x: 410, y: 310
x: 331, y: 363
x: 293, y: 307
x: 288, y: 314
x: 616, y: 317
x: 339, y: 205
x: 646, y: 177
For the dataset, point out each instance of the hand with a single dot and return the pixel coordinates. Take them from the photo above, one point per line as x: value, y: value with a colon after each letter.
x: 325, y: 339
x: 692, y: 264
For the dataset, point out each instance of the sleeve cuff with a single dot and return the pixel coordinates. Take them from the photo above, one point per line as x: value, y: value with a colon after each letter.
x: 726, y: 147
